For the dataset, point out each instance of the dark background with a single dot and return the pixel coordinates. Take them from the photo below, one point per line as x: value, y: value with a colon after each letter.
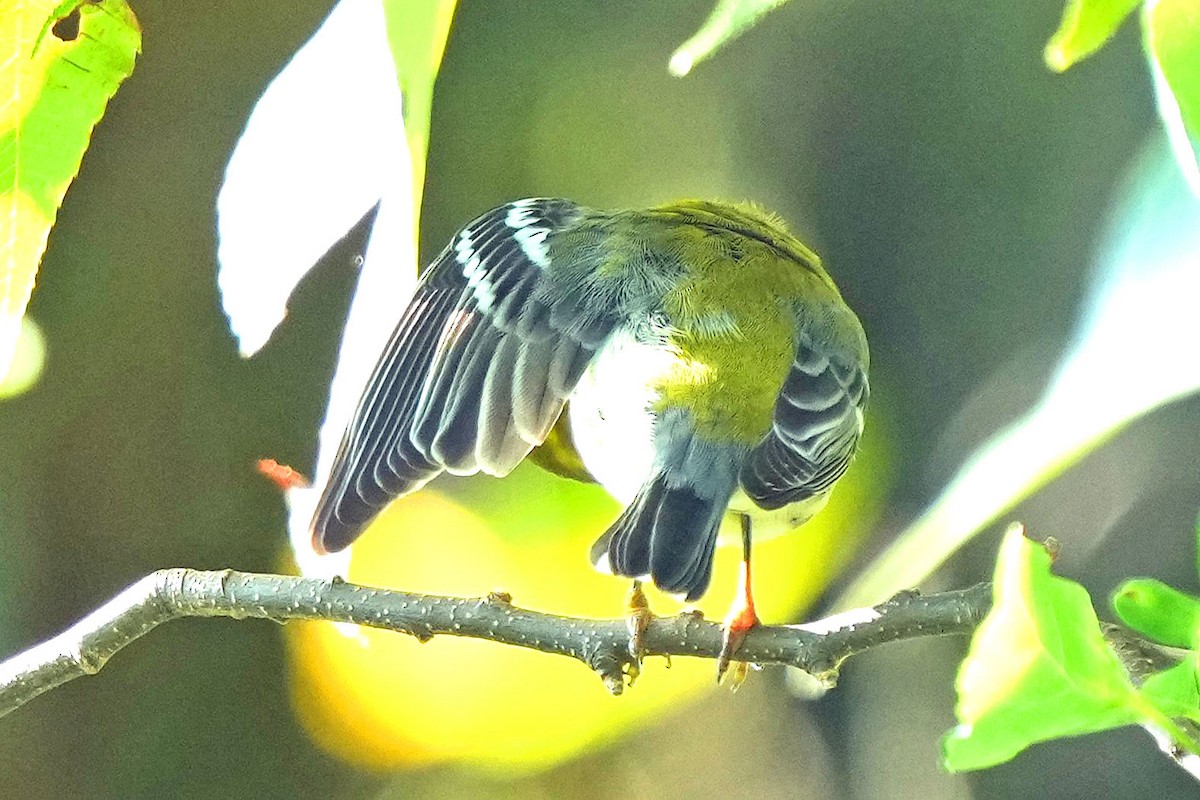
x: 954, y: 186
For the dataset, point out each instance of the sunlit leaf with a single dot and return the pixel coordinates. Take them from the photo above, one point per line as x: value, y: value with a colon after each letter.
x: 417, y: 34
x: 318, y: 152
x: 59, y: 65
x: 1172, y: 40
x: 29, y: 356
x: 1176, y: 691
x: 1147, y: 282
x: 1038, y: 667
x: 729, y: 19
x: 1159, y: 612
x: 1086, y: 25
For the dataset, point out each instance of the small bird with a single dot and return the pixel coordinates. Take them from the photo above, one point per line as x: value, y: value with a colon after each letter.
x: 712, y: 369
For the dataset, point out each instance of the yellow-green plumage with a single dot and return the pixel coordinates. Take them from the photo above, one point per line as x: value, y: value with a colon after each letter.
x: 732, y: 313
x: 737, y: 306
x: 709, y: 363
x: 740, y: 289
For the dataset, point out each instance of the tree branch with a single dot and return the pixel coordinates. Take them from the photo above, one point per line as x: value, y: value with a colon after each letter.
x: 603, y: 645
x: 1142, y: 659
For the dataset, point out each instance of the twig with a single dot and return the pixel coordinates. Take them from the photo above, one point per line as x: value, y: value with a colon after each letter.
x: 1142, y: 659
x: 603, y: 645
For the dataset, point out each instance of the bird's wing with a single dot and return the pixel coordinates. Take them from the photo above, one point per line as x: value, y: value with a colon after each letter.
x: 818, y: 419
x: 493, y: 341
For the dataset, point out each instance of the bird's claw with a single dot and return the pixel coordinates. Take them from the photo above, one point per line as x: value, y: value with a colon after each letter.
x: 638, y: 620
x: 737, y: 625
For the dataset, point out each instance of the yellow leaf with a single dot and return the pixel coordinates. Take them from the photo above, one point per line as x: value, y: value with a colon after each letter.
x: 59, y: 64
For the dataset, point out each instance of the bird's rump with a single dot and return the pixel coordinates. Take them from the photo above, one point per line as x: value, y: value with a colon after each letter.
x: 669, y: 532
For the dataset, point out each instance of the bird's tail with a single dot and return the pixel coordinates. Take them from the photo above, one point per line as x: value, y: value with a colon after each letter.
x: 668, y: 533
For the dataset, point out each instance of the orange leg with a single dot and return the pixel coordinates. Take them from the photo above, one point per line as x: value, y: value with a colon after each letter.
x: 741, y: 618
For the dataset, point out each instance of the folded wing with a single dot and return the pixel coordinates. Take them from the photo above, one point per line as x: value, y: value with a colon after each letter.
x: 493, y: 341
x: 818, y: 419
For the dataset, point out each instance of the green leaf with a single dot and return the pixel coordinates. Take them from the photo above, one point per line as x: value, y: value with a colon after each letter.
x: 728, y: 20
x: 417, y: 34
x: 1086, y: 26
x: 1159, y: 612
x: 59, y: 65
x: 1171, y: 30
x: 1038, y: 667
x: 1176, y: 691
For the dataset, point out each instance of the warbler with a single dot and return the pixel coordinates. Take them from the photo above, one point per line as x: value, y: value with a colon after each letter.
x: 712, y: 370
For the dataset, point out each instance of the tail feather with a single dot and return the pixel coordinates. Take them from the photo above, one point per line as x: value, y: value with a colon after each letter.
x: 668, y: 532
x: 701, y: 570
x: 625, y: 546
x: 682, y: 527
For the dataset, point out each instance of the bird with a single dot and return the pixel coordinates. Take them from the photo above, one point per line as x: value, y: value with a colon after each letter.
x: 708, y: 369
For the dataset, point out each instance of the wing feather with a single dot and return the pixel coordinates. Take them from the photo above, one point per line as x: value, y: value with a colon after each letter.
x: 817, y: 422
x: 495, y: 338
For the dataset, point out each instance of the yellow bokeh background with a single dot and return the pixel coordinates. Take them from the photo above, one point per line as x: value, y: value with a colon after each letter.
x: 384, y: 700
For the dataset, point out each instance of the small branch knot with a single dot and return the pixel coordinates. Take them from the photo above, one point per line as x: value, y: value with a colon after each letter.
x: 90, y: 661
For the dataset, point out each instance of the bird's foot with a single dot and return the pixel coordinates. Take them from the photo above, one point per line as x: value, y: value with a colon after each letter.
x: 741, y: 619
x: 638, y: 618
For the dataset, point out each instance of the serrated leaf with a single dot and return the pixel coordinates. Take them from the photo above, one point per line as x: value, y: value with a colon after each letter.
x: 1038, y: 667
x: 1159, y: 612
x: 728, y: 20
x: 1171, y: 31
x: 59, y: 65
x: 1086, y: 25
x: 1176, y: 691
x: 1146, y: 280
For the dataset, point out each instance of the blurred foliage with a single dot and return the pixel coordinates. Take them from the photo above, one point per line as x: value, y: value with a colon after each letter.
x: 729, y: 19
x: 1172, y: 44
x: 1086, y: 26
x: 1141, y: 315
x: 321, y: 148
x: 1171, y: 30
x: 417, y: 34
x: 29, y: 356
x: 1171, y: 39
x: 1175, y: 692
x: 1039, y: 668
x: 1159, y: 612
x: 59, y: 63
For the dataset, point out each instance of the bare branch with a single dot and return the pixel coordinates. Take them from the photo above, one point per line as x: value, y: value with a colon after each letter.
x: 603, y: 645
